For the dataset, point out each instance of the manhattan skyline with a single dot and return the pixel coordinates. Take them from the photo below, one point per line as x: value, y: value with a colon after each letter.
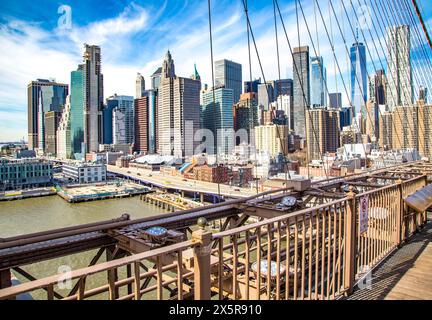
x: 134, y: 37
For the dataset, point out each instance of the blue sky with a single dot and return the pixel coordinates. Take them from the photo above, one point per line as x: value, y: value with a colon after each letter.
x: 134, y: 36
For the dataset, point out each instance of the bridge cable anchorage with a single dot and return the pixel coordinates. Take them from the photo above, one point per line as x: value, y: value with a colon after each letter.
x: 384, y: 53
x: 305, y: 102
x: 213, y: 85
x: 387, y: 16
x: 284, y: 152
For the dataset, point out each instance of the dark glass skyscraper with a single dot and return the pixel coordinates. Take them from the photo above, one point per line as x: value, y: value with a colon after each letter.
x: 43, y: 96
x: 301, y: 81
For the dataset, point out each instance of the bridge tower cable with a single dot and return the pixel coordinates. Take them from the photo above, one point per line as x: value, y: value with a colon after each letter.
x: 419, y: 15
x: 370, y: 54
x: 424, y: 51
x: 338, y: 67
x: 384, y: 53
x: 321, y: 67
x: 372, y: 59
x: 250, y: 78
x: 306, y: 109
x: 387, y: 16
x: 213, y: 80
x: 418, y: 67
x: 264, y: 79
x: 279, y: 78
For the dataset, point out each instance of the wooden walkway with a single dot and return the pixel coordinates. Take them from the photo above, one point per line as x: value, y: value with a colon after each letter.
x: 405, y: 275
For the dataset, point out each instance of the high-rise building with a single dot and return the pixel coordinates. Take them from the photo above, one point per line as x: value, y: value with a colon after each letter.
x: 301, y: 91
x: 229, y: 74
x: 119, y: 126
x: 218, y: 117
x: 52, y: 119
x: 87, y: 103
x: 245, y: 114
x: 386, y: 130
x: 323, y: 132
x: 139, y: 86
x: 77, y: 106
x: 251, y: 86
x: 125, y: 106
x: 272, y: 138
x: 265, y: 95
x: 377, y: 88
x: 346, y: 116
x: 282, y: 87
x: 285, y: 103
x: 358, y: 77
x: 318, y: 82
x: 400, y: 84
x: 178, y: 112
x: 335, y: 100
x: 155, y: 78
x: 64, y: 144
x: 146, y: 123
x: 423, y: 94
x: 43, y: 96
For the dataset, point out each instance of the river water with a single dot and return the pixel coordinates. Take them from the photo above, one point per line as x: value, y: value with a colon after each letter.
x: 46, y: 213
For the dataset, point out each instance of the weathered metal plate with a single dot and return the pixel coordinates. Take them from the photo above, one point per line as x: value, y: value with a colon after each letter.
x: 421, y: 200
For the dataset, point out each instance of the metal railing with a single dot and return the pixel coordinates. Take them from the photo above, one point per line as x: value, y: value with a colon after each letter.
x: 315, y: 253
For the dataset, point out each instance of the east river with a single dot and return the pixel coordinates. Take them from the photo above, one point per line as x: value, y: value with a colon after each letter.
x: 46, y: 213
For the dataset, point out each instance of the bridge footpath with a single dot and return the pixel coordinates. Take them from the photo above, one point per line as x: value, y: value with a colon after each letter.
x: 405, y: 274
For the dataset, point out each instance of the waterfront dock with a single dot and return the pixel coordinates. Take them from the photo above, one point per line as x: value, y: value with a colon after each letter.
x: 82, y: 193
x: 170, y: 202
x: 24, y: 194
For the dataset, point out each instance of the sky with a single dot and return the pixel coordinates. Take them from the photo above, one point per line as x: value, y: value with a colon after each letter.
x: 38, y: 40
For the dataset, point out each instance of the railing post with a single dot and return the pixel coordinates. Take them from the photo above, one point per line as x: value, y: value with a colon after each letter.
x: 350, y: 242
x: 400, y: 214
x: 203, y: 239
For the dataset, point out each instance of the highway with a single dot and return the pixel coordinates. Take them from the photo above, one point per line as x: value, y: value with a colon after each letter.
x: 176, y: 182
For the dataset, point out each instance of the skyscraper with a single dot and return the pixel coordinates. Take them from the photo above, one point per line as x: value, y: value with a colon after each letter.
x: 87, y: 103
x: 218, y: 117
x: 400, y: 85
x: 229, y: 74
x: 139, y: 86
x: 125, y: 112
x: 358, y: 77
x: 318, y: 80
x: 146, y: 123
x: 77, y: 107
x: 282, y: 87
x: 64, y: 144
x: 251, y: 86
x: 93, y: 103
x: 335, y: 100
x: 178, y: 111
x: 43, y: 96
x: 265, y: 94
x: 322, y: 132
x: 245, y: 114
x: 156, y: 78
x: 301, y: 81
x: 51, y: 124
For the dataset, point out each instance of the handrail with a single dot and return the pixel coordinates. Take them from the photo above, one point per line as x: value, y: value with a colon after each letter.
x: 84, y: 272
